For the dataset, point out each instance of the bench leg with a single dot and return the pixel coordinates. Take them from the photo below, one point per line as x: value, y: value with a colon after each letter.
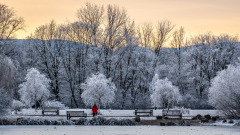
x: 68, y: 117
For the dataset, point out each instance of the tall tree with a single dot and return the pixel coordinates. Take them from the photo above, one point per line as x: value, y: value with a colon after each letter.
x: 9, y: 24
x: 177, y: 43
x: 92, y: 15
x: 113, y: 37
x: 48, y: 41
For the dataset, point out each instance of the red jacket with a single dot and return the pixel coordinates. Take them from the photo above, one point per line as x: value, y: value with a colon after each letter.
x: 94, y: 109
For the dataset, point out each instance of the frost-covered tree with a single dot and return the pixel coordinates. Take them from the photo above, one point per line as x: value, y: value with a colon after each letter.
x: 5, y: 101
x: 48, y: 48
x: 35, y: 90
x: 98, y: 90
x: 224, y: 93
x: 152, y: 84
x: 17, y: 105
x: 7, y: 74
x: 7, y: 81
x: 164, y: 93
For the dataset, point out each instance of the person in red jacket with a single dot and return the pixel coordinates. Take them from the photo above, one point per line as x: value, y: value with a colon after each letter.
x: 94, y: 110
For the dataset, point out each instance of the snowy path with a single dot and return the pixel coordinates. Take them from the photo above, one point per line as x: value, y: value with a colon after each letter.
x: 118, y: 130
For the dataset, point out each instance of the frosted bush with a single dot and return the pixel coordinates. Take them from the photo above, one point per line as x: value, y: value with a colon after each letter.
x: 35, y: 89
x: 164, y: 94
x: 82, y: 121
x: 17, y: 105
x: 224, y: 92
x: 126, y: 122
x: 112, y: 122
x: 97, y: 89
x: 97, y: 121
x: 54, y: 104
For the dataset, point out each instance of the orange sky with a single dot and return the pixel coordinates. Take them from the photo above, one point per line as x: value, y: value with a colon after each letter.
x: 197, y: 16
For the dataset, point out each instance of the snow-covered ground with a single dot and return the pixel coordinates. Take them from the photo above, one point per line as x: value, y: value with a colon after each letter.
x: 118, y: 130
x: 109, y: 112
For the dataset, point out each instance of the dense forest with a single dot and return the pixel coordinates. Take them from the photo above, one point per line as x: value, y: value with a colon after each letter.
x: 105, y: 40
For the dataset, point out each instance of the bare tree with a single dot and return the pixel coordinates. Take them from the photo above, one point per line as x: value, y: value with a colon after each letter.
x: 145, y: 34
x: 177, y: 43
x: 162, y: 35
x: 113, y: 36
x: 9, y: 22
x: 9, y: 25
x: 48, y: 41
x: 93, y: 16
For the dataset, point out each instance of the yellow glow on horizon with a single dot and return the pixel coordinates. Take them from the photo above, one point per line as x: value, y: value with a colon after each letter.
x: 196, y: 16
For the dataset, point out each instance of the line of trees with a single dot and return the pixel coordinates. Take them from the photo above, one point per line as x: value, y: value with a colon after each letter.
x: 105, y: 40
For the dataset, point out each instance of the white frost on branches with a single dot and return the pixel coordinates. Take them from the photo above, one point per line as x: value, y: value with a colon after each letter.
x: 98, y: 90
x: 224, y: 93
x: 35, y: 89
x: 164, y: 94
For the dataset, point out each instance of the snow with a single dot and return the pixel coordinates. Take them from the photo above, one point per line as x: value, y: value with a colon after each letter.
x: 110, y: 112
x: 118, y: 130
x: 118, y: 114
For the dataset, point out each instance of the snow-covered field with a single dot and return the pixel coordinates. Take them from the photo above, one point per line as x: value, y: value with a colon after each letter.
x: 109, y: 112
x: 118, y: 130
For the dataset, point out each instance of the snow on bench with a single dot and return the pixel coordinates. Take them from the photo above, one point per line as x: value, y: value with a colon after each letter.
x: 144, y: 112
x: 51, y: 110
x: 172, y: 113
x: 75, y: 114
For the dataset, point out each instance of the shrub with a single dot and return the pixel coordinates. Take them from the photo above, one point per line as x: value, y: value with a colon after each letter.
x: 159, y: 117
x: 5, y: 122
x: 111, y: 122
x: 171, y: 124
x: 22, y: 121
x: 54, y: 103
x: 97, y: 121
x: 214, y: 118
x: 82, y: 121
x: 162, y: 124
x: 137, y: 119
x: 237, y: 124
x: 126, y: 122
x: 204, y: 120
x: 17, y: 105
x: 208, y: 117
x: 231, y: 121
x: 199, y: 116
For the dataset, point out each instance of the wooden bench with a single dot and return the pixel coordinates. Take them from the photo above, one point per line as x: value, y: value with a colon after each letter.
x: 144, y: 112
x: 75, y: 114
x: 54, y: 110
x: 172, y: 113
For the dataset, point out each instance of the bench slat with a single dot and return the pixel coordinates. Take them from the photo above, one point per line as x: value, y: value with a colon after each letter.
x: 50, y: 109
x: 142, y: 112
x: 166, y: 113
x: 76, y: 114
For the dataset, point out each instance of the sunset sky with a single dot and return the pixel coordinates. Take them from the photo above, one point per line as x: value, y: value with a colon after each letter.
x: 197, y: 16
